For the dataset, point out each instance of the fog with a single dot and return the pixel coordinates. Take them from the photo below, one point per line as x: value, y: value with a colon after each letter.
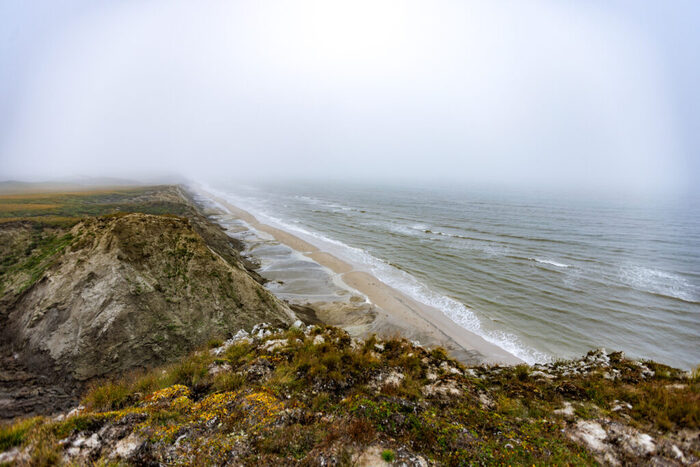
x: 588, y: 95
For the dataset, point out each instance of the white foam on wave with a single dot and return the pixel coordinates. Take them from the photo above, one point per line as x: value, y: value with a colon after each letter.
x: 658, y: 282
x: 550, y: 262
x: 335, y: 207
x: 398, y: 279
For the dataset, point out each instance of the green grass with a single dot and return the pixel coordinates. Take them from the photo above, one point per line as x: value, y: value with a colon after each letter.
x: 388, y: 455
x: 66, y: 208
x: 38, y: 256
x: 14, y: 435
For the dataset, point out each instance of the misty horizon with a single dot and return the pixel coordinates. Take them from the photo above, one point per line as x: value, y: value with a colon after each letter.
x: 596, y: 97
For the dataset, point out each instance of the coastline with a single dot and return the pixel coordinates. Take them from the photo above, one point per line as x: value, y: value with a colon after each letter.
x: 395, y: 312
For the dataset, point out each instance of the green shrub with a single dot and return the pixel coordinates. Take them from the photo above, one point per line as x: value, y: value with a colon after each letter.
x: 388, y: 455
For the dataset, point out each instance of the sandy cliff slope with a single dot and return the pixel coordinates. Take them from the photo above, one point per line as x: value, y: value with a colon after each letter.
x: 131, y: 291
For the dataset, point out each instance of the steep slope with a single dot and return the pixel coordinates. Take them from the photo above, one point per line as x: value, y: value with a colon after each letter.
x: 132, y: 290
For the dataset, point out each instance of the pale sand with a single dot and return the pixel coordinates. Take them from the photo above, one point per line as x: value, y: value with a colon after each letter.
x: 331, y: 262
x: 398, y: 313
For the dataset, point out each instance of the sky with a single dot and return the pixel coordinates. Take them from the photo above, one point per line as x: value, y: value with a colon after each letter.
x: 597, y: 95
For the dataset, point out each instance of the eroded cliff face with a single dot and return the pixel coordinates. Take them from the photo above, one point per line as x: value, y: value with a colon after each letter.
x: 130, y: 291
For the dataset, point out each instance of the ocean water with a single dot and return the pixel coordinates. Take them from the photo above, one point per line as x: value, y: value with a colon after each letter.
x: 543, y: 276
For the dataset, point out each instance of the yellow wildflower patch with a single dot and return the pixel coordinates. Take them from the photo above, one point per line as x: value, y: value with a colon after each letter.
x: 214, y: 406
x: 168, y: 394
x: 181, y: 403
x: 261, y: 407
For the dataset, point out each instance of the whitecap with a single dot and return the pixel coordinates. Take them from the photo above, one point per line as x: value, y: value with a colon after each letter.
x: 401, y: 280
x: 550, y: 262
x: 658, y: 282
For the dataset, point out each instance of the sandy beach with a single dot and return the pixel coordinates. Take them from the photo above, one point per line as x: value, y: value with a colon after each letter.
x: 393, y: 312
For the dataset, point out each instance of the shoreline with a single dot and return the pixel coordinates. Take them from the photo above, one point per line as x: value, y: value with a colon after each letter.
x: 396, y: 312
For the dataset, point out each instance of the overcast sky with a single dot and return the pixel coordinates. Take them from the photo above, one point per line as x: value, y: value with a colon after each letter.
x: 598, y: 95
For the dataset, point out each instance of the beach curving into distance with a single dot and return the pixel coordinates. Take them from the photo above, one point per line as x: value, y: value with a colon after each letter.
x: 396, y: 313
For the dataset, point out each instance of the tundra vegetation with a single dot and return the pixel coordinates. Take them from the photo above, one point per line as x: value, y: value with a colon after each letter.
x: 314, y: 395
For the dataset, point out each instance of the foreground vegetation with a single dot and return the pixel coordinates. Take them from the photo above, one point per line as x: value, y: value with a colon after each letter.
x: 316, y: 396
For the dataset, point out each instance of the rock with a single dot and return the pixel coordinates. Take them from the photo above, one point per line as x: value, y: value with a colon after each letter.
x: 630, y: 440
x: 299, y: 324
x: 75, y: 411
x: 591, y: 434
x: 15, y: 456
x: 371, y: 456
x: 83, y: 446
x: 676, y: 386
x: 216, y: 368
x: 261, y: 331
x: 241, y: 336
x: 442, y: 388
x: 541, y: 374
x: 567, y: 411
x: 485, y: 400
x: 127, y: 447
x: 646, y: 372
x: 677, y: 453
x: 446, y: 367
x: 274, y: 344
x: 319, y: 339
x: 382, y: 380
x: 607, y: 440
x: 393, y: 379
x: 642, y: 442
x: 621, y: 405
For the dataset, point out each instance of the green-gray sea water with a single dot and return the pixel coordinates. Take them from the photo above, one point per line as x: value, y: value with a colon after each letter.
x: 542, y: 276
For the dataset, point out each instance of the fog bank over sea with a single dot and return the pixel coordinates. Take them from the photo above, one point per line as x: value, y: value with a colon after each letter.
x: 542, y: 277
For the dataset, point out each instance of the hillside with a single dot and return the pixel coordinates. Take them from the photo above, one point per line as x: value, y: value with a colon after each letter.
x: 315, y: 396
x: 85, y: 297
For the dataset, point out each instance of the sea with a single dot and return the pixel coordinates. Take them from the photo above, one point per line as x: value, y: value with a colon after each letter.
x: 545, y: 276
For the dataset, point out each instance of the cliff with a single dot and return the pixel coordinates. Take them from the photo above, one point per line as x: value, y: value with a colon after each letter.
x: 114, y: 293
